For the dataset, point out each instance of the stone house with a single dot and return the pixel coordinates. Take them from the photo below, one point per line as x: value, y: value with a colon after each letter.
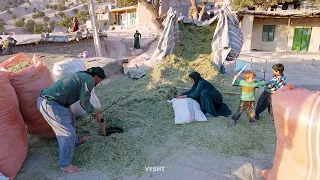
x: 138, y: 15
x: 125, y: 17
x: 281, y: 31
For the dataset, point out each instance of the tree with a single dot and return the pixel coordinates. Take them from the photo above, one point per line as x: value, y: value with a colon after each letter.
x: 47, y: 6
x: 9, y: 12
x: 65, y: 22
x: 203, y: 9
x: 61, y: 7
x: 75, y: 11
x: 38, y: 29
x: 34, y: 10
x: 35, y: 16
x: 196, y: 11
x: 13, y: 16
x: 63, y: 2
x: 61, y: 14
x: 54, y: 7
x: 41, y: 14
x: 55, y: 15
x: 83, y: 16
x: 52, y: 25
x: 154, y: 14
x: 1, y: 20
x: 99, y: 1
x: 19, y: 22
x: 25, y: 8
x: 2, y: 23
x: 29, y: 26
x: 46, y: 18
x: 156, y: 4
x: 126, y: 3
x: 46, y: 28
x: 85, y: 6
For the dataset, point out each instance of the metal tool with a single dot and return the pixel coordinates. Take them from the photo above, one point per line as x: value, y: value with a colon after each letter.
x: 102, y: 122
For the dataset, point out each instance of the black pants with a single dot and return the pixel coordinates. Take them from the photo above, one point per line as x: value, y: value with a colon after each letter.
x: 210, y: 102
x: 263, y: 103
x: 245, y: 106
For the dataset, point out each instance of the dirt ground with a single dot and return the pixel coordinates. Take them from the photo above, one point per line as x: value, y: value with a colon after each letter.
x: 191, y: 162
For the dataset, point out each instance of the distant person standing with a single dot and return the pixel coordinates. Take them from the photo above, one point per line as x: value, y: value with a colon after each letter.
x: 137, y: 37
x: 7, y: 45
x: 75, y: 24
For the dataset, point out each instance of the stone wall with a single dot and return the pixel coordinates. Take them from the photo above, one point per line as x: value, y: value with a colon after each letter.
x: 72, y: 47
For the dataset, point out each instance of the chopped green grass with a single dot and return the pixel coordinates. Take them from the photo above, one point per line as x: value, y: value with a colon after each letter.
x: 19, y: 66
x: 148, y: 120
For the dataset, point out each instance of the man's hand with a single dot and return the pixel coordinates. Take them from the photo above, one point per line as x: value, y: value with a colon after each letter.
x: 98, y: 116
x: 236, y: 76
x: 181, y: 97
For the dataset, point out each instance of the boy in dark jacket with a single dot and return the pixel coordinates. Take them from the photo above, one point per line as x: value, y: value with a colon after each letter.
x: 277, y: 82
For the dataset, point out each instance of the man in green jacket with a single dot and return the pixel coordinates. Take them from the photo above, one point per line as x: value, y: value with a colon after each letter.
x: 54, y: 103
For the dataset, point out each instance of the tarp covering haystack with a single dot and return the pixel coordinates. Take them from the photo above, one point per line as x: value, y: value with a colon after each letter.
x: 227, y: 38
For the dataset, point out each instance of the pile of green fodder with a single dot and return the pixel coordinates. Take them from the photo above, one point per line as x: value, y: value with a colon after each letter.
x: 18, y: 66
x: 148, y: 119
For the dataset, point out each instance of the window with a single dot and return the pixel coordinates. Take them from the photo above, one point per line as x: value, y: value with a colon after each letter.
x: 268, y: 33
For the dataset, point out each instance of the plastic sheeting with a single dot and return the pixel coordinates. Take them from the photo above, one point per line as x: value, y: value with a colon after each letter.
x: 227, y: 39
x: 169, y: 36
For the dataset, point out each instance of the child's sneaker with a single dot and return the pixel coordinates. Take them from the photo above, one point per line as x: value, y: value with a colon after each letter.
x: 253, y: 123
x: 232, y: 122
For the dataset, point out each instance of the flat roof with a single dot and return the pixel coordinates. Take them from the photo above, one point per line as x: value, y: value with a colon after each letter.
x: 123, y: 9
x: 281, y: 13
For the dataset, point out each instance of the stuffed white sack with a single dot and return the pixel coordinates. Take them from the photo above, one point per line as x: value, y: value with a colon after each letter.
x: 70, y: 66
x: 187, y: 110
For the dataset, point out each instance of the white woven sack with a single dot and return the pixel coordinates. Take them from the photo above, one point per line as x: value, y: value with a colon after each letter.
x: 187, y: 110
x: 70, y: 66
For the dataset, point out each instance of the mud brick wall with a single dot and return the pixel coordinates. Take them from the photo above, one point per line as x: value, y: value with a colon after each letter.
x: 72, y: 47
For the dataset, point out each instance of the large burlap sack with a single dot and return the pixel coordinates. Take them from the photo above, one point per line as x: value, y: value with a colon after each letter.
x: 13, y: 137
x: 187, y: 110
x: 28, y: 84
x: 70, y: 66
x: 297, y: 121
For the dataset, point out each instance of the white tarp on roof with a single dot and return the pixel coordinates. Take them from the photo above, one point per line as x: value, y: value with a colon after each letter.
x: 227, y: 39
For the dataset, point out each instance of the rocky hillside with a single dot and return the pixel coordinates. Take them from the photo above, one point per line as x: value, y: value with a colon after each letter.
x: 44, y: 13
x: 7, y: 4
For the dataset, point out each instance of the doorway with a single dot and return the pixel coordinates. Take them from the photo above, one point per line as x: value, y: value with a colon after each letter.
x: 301, y: 39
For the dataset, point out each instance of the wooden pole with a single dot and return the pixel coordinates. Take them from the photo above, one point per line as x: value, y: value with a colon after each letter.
x: 96, y: 38
x: 127, y: 18
x: 287, y: 40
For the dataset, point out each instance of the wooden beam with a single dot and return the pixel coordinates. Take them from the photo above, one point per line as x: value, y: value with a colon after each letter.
x: 287, y: 40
